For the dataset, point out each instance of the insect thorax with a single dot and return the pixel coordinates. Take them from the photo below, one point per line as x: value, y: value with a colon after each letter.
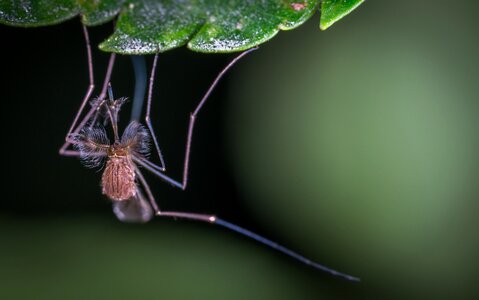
x: 118, y: 180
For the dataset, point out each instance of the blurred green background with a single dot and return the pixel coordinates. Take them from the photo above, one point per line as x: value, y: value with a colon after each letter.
x: 362, y: 143
x: 355, y: 146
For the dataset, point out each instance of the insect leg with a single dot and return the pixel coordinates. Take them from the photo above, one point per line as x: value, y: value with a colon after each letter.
x: 162, y: 166
x: 215, y: 220
x: 193, y: 115
x: 63, y: 150
x: 174, y: 214
x: 94, y: 111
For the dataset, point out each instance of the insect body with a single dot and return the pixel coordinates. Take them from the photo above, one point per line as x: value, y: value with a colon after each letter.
x: 122, y: 181
x: 119, y: 179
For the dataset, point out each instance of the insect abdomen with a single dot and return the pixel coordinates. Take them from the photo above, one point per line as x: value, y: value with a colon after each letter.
x: 118, y: 180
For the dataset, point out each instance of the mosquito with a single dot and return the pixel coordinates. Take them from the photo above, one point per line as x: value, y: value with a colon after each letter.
x: 122, y: 180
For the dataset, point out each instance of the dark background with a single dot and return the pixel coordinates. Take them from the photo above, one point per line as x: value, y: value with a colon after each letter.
x: 355, y: 146
x: 37, y: 70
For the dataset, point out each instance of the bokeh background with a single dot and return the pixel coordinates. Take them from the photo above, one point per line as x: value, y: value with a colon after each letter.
x: 356, y: 146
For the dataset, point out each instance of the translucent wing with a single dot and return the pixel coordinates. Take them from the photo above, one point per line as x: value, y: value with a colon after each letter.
x: 92, y: 143
x: 136, y: 137
x: 134, y: 210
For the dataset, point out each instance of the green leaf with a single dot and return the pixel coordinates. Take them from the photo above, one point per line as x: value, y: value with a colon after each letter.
x: 334, y: 10
x: 96, y: 12
x: 204, y: 25
x: 149, y: 26
x: 34, y: 13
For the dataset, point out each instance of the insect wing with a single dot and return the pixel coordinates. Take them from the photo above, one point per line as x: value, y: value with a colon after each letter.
x: 134, y: 210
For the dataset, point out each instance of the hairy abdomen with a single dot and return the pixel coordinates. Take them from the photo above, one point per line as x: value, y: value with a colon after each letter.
x: 118, y: 180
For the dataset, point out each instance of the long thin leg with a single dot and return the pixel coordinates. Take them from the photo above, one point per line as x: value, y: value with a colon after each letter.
x: 91, y: 86
x: 214, y: 220
x: 154, y: 168
x: 158, y: 212
x: 94, y: 110
x: 102, y: 96
x: 162, y: 166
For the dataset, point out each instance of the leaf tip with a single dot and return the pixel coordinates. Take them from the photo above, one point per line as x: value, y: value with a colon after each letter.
x: 331, y: 11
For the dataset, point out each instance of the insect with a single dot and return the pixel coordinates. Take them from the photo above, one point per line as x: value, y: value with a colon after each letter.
x: 122, y: 180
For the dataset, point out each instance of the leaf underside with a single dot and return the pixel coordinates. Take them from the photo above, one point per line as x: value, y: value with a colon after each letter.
x: 150, y: 26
